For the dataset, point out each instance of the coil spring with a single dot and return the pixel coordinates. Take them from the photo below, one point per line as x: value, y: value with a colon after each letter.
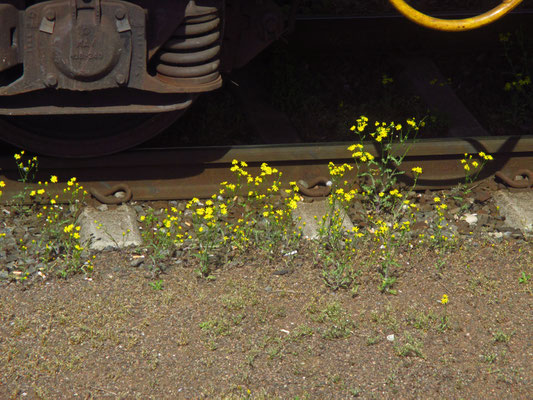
x: 191, y: 55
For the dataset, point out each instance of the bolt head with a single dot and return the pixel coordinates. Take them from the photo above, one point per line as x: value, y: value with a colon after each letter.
x: 120, y: 13
x: 50, y: 15
x: 120, y: 79
x: 51, y: 81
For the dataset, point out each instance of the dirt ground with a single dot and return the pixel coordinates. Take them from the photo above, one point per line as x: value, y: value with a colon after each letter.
x: 267, y: 329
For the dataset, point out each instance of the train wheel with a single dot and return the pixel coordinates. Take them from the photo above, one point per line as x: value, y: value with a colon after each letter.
x: 83, y: 135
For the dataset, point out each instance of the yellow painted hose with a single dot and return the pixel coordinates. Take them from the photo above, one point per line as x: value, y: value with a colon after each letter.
x: 455, y: 25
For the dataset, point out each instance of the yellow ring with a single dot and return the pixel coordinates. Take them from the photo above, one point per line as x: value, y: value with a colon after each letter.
x: 455, y: 25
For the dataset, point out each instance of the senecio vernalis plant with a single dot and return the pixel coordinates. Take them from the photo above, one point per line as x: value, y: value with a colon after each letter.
x: 474, y: 164
x: 379, y: 175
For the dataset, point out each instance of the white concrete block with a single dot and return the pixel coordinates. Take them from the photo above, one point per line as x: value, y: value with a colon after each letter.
x: 107, y: 229
x: 304, y: 217
x: 517, y: 208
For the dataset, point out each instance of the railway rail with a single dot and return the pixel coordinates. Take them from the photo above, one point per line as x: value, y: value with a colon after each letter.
x: 184, y: 173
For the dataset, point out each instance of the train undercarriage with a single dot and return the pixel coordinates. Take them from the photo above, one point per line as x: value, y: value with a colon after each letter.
x: 82, y: 78
x: 71, y: 69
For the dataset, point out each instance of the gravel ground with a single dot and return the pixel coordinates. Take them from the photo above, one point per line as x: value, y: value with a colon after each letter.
x: 265, y: 326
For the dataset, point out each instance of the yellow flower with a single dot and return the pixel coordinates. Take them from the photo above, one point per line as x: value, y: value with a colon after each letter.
x: 444, y: 299
x: 2, y: 184
x: 504, y: 37
x: 436, y: 199
x: 68, y: 228
x: 385, y: 80
x: 417, y: 170
x: 53, y: 179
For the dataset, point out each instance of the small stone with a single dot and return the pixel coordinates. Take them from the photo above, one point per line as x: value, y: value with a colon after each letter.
x: 282, y: 272
x: 482, y: 219
x: 4, y: 275
x: 102, y: 207
x: 471, y: 219
x: 419, y: 226
x: 137, y: 262
x: 390, y: 338
x: 463, y: 227
x: 482, y: 196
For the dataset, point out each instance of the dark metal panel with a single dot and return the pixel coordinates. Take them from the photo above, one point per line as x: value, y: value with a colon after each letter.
x: 9, y: 41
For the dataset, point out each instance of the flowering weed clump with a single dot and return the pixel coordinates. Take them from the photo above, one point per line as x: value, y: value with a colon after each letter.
x: 55, y: 241
x: 379, y: 175
x: 473, y: 165
x: 336, y: 241
x: 254, y: 211
x: 441, y: 235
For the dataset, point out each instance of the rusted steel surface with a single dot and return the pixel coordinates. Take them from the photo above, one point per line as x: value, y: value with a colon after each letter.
x: 198, y: 172
x: 133, y: 56
x: 517, y: 183
x: 9, y: 48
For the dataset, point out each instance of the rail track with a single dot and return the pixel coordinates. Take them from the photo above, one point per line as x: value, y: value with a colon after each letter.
x: 183, y: 173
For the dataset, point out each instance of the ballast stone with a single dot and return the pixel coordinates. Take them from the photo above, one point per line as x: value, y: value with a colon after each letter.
x: 109, y: 229
x: 517, y: 208
x: 304, y: 217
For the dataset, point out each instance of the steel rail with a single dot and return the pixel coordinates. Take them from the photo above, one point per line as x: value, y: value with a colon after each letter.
x: 183, y: 173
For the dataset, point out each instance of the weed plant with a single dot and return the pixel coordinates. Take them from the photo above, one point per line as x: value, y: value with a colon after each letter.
x: 57, y: 244
x: 518, y: 80
x: 378, y: 176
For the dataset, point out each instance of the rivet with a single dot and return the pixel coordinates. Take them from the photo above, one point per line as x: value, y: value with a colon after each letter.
x: 51, y: 81
x: 50, y: 15
x: 120, y: 13
x: 120, y: 79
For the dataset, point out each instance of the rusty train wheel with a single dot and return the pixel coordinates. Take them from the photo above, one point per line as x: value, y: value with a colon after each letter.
x: 77, y: 136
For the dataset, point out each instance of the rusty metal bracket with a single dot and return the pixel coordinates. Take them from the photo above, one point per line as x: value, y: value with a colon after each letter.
x: 317, y: 187
x: 9, y: 40
x: 107, y: 196
x: 518, y: 184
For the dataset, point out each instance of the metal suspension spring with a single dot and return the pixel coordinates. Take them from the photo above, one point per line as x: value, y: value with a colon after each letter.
x: 192, y: 55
